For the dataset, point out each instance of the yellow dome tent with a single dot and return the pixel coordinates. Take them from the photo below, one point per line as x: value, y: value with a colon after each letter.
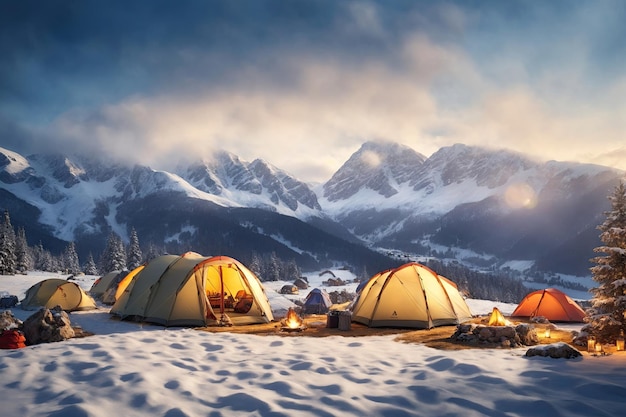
x: 102, y: 284
x: 54, y: 291
x: 105, y: 287
x: 192, y: 290
x: 121, y: 286
x: 411, y: 295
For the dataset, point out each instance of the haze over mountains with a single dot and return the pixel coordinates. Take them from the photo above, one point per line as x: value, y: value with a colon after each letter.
x: 480, y: 207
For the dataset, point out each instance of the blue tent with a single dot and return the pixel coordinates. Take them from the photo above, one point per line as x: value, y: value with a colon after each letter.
x: 316, y: 302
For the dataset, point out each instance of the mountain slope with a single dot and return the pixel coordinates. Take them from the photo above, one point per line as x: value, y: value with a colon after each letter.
x: 474, y: 205
x: 76, y: 198
x: 256, y: 184
x: 495, y: 203
x: 379, y: 168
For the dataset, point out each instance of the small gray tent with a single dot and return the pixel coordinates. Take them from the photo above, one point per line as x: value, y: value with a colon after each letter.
x: 316, y: 302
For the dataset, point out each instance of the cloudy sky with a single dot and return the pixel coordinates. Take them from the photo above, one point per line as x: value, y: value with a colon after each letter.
x: 302, y: 84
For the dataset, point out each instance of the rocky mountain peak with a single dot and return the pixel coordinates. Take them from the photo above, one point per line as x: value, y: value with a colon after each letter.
x: 13, y: 167
x: 378, y: 166
x: 256, y: 183
x: 457, y: 163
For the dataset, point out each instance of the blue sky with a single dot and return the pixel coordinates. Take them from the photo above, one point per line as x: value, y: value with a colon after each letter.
x: 302, y: 84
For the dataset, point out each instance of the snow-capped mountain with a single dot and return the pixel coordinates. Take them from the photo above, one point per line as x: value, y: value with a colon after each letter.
x: 387, y: 176
x: 227, y: 206
x: 496, y: 205
x: 493, y: 202
x: 378, y: 168
x: 79, y: 195
x: 256, y: 184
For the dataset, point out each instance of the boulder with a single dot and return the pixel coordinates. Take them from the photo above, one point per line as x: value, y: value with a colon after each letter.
x: 554, y: 350
x: 48, y: 325
x: 505, y: 336
x: 8, y: 321
x: 527, y: 334
x: 301, y: 283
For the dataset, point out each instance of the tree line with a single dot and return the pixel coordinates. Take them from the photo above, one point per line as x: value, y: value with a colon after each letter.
x: 17, y: 257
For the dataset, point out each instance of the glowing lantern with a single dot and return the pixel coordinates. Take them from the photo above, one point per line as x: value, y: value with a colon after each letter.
x: 547, y: 334
x: 598, y: 347
x: 591, y: 344
x: 619, y: 343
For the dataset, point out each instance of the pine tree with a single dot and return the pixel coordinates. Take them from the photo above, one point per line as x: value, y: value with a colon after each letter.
x: 8, y: 259
x: 135, y: 257
x: 153, y: 252
x: 23, y: 253
x: 90, y: 267
x: 273, y: 269
x: 256, y: 264
x: 290, y: 271
x: 114, y: 255
x: 609, y: 297
x: 38, y: 255
x: 70, y: 259
x: 43, y: 259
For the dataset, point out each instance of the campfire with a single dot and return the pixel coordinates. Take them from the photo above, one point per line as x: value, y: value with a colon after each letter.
x: 497, y: 319
x: 292, y: 322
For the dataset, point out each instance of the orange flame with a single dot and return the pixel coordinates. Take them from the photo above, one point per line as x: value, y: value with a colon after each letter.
x: 292, y: 320
x: 497, y: 319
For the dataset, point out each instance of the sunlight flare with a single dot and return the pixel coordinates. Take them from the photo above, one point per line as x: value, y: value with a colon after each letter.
x: 520, y: 195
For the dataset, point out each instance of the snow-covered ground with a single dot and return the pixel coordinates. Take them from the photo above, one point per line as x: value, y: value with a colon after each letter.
x: 129, y: 369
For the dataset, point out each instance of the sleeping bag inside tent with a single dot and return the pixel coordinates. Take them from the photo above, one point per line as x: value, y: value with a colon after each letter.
x: 53, y: 292
x: 552, y: 304
x: 192, y: 290
x: 411, y: 295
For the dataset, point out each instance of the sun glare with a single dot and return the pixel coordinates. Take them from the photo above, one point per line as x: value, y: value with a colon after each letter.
x: 520, y: 195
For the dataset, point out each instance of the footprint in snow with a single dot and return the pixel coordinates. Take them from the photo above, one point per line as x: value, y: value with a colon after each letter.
x: 172, y: 384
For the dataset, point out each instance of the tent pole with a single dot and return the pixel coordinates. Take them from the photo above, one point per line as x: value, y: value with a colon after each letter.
x: 221, y: 291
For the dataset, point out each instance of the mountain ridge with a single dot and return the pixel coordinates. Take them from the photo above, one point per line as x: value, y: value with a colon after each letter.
x: 386, y: 196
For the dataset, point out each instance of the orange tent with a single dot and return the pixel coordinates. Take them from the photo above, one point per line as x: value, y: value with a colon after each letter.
x: 551, y: 304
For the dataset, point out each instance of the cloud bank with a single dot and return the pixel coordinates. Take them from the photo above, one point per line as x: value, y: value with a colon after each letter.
x: 303, y: 84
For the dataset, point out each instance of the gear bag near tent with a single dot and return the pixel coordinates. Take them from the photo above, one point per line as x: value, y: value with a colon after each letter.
x: 552, y: 304
x: 193, y: 290
x: 316, y: 302
x: 53, y: 292
x: 411, y: 295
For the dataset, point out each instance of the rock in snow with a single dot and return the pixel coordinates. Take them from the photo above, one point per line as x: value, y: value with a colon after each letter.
x: 554, y: 350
